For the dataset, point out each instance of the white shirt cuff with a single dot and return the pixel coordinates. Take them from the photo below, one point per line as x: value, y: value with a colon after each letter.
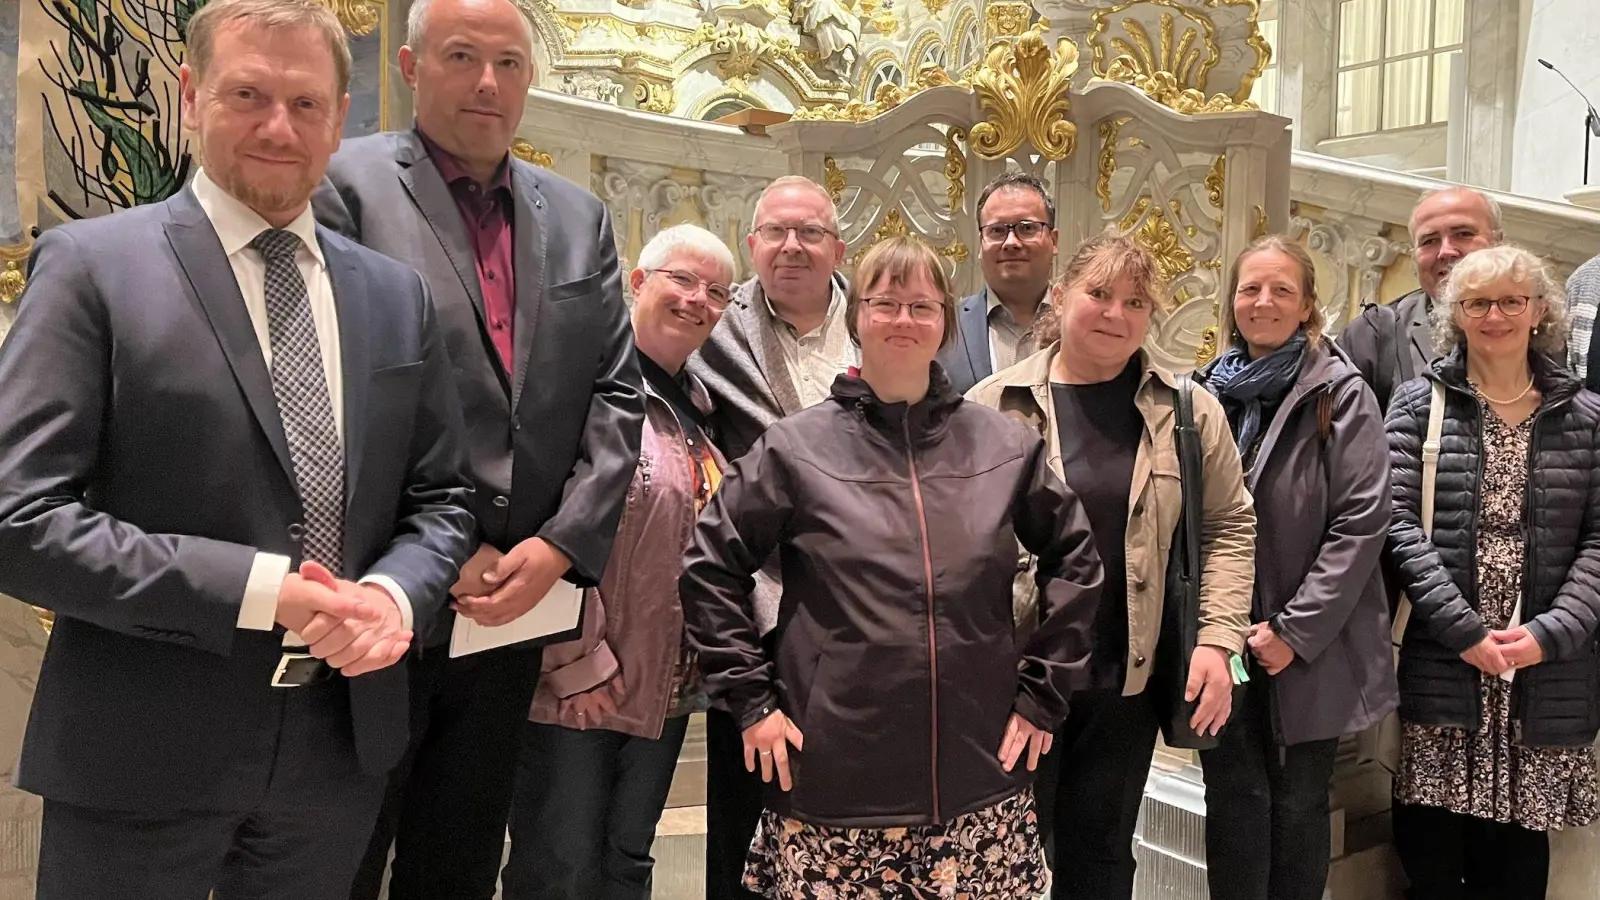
x: 395, y: 591
x: 258, y: 610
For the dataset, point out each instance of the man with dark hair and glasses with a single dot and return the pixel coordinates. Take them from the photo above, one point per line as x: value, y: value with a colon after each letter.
x: 776, y: 351
x: 1017, y: 232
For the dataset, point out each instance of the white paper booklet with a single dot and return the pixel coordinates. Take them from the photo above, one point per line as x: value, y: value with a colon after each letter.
x: 558, y: 612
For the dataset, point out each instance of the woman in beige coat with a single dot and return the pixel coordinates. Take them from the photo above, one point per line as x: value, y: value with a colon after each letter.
x: 1108, y: 412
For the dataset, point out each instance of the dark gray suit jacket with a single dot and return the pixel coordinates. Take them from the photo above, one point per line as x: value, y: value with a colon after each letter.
x: 967, y: 359
x: 1391, y: 344
x: 551, y: 449
x: 143, y: 464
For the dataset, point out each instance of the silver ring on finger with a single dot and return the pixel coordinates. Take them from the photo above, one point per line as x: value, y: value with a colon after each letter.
x: 766, y: 752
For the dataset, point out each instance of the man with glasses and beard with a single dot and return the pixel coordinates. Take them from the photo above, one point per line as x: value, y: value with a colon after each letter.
x: 1017, y: 224
x: 776, y: 351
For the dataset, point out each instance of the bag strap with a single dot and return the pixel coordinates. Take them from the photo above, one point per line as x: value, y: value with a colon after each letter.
x: 1430, y: 455
x: 1191, y: 479
x: 1430, y: 478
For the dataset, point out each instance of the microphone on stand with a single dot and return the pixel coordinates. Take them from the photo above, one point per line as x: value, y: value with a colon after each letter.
x: 1591, y: 121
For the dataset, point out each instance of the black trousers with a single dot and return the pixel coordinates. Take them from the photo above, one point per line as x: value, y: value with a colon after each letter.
x: 1449, y: 856
x: 301, y: 840
x: 446, y: 807
x: 584, y: 819
x: 733, y: 807
x: 1089, y: 789
x: 1271, y: 839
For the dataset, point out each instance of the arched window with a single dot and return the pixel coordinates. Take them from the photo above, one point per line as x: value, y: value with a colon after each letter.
x: 933, y: 56
x: 887, y: 72
x: 727, y: 106
x: 967, y: 49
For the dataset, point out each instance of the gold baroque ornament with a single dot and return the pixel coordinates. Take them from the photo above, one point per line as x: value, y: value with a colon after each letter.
x: 359, y: 17
x: 1260, y: 228
x: 12, y: 279
x: 955, y: 169
x: 935, y: 7
x: 1006, y: 18
x: 955, y: 251
x: 833, y: 178
x: 1023, y: 91
x: 1157, y: 235
x: 1216, y: 181
x: 654, y: 96
x: 526, y: 152
x: 1108, y: 159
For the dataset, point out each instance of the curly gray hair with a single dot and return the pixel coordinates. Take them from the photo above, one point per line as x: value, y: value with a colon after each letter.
x: 1503, y: 263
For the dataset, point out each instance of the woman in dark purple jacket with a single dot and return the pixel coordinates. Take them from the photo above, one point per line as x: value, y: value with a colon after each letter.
x: 1311, y: 438
x: 898, y: 704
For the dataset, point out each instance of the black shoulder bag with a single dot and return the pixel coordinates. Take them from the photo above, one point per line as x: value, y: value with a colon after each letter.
x: 1180, y: 614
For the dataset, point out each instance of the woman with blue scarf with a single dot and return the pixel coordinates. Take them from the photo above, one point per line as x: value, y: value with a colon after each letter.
x: 1311, y: 436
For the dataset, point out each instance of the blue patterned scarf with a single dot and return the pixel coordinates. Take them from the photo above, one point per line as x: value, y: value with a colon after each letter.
x: 1248, y: 386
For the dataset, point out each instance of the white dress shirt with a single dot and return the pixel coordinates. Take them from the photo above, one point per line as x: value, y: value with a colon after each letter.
x: 237, y: 225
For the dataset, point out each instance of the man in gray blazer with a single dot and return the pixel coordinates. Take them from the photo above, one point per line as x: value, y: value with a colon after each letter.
x: 1017, y: 224
x: 229, y: 462
x: 777, y: 350
x: 523, y: 269
x: 1393, y: 343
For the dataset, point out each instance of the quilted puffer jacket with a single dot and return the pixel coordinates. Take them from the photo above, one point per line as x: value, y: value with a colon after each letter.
x: 1556, y: 703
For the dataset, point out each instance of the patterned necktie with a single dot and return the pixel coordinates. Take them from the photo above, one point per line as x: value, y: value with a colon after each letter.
x: 301, y: 388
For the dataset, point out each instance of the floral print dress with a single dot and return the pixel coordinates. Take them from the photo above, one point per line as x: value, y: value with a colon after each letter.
x: 1488, y: 775
x: 987, y: 854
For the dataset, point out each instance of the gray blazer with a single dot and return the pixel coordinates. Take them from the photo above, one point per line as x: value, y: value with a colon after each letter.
x: 143, y: 464
x: 551, y: 447
x: 1390, y: 344
x: 967, y: 360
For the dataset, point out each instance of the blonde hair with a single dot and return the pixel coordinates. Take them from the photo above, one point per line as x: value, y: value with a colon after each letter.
x: 899, y: 259
x: 1277, y: 243
x: 1103, y: 259
x: 203, y: 27
x: 1487, y: 266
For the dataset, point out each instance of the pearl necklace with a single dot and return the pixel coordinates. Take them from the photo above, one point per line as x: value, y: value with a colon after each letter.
x: 1485, y: 396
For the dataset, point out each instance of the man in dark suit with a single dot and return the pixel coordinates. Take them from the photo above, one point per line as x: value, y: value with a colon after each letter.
x: 523, y: 269
x: 1392, y: 343
x: 212, y: 414
x: 1017, y: 224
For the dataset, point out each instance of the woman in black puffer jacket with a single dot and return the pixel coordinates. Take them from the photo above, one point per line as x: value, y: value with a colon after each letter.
x: 1499, y: 678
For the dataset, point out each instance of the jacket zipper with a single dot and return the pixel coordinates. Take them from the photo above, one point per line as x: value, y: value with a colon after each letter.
x: 933, y: 653
x: 1477, y: 510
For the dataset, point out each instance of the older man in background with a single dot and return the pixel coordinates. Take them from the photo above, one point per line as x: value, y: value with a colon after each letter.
x: 1393, y: 343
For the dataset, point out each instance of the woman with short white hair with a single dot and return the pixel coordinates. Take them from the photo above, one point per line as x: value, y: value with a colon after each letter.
x: 1498, y: 692
x: 612, y: 706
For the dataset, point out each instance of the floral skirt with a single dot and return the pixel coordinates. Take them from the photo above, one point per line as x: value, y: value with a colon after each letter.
x: 989, y: 853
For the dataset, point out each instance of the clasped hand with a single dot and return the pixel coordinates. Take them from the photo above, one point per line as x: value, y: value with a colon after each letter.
x: 1502, y: 651
x: 356, y: 628
x: 495, y: 588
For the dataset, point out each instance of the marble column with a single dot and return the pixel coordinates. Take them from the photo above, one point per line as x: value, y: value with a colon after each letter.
x: 1307, y: 56
x: 1491, y: 66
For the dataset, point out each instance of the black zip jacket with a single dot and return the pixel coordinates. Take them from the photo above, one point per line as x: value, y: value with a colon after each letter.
x: 897, y: 528
x: 1556, y: 703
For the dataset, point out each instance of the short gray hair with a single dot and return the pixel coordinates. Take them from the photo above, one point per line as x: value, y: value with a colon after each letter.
x: 1496, y: 227
x: 800, y: 181
x: 687, y: 239
x: 417, y: 23
x: 1491, y: 264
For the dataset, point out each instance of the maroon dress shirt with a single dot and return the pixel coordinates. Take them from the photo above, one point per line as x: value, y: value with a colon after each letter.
x: 487, y: 215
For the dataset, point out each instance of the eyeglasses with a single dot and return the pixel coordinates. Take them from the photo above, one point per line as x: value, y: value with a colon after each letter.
x: 1478, y: 307
x: 810, y: 235
x: 717, y: 295
x: 1025, y: 230
x: 885, y: 310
